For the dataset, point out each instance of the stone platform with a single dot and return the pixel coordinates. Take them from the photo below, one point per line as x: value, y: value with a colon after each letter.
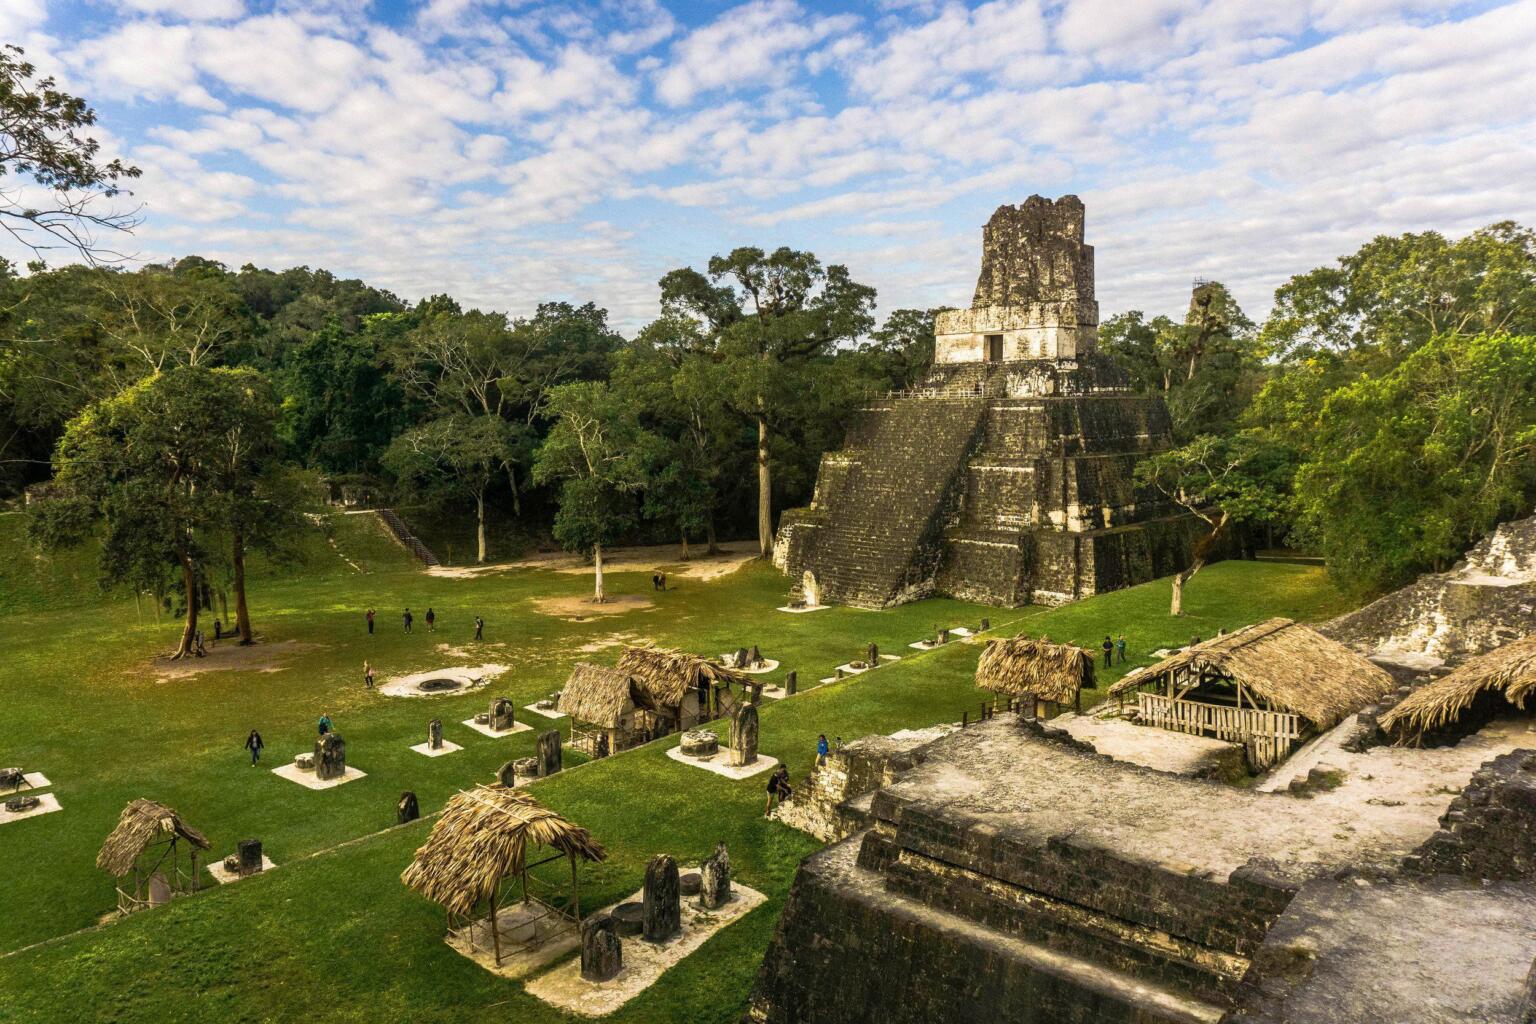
x: 1048, y: 882
x: 47, y: 804
x: 224, y: 876
x: 426, y: 749
x: 720, y: 764
x: 309, y: 780
x: 486, y: 730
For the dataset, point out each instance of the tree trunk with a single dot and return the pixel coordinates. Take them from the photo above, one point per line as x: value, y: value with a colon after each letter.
x: 1202, y: 552
x: 480, y: 527
x: 597, y: 562
x: 685, y: 545
x: 764, y: 491
x: 189, y: 630
x: 224, y: 605
x: 242, y: 611
x: 709, y: 538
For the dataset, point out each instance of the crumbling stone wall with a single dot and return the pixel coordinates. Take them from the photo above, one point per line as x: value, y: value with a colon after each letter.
x: 1489, y: 830
x: 834, y: 801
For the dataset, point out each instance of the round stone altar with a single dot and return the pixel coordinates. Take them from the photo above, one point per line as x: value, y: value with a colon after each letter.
x: 629, y: 918
x: 700, y: 743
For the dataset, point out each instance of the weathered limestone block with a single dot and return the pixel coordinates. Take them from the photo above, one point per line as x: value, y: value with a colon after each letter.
x: 715, y: 879
x: 407, y: 809
x: 700, y: 743
x: 602, y: 955
x: 435, y: 734
x: 248, y: 856
x: 330, y: 757
x: 501, y: 715
x: 549, y: 753
x: 744, y: 736
x: 790, y: 682
x: 506, y: 775
x: 663, y: 913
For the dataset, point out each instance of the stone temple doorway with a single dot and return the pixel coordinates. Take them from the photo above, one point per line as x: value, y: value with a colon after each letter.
x: 994, y: 352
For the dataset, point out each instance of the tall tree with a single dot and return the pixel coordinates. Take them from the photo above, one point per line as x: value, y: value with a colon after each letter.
x: 150, y: 469
x: 52, y: 178
x: 596, y: 452
x: 1411, y: 467
x: 766, y: 315
x: 1222, y: 481
x: 455, y: 455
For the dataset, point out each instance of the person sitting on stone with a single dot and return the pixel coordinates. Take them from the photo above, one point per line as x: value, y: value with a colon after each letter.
x: 821, y: 749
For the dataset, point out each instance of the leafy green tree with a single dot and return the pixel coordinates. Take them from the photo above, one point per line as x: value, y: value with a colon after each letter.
x: 152, y: 468
x: 456, y: 455
x: 1411, y: 467
x: 56, y: 204
x: 1396, y: 292
x: 596, y: 451
x: 1222, y: 481
x: 907, y: 340
x: 164, y: 315
x: 766, y: 316
x: 1206, y: 368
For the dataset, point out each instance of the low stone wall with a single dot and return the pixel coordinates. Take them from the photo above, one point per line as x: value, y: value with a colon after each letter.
x: 1489, y: 831
x: 828, y: 804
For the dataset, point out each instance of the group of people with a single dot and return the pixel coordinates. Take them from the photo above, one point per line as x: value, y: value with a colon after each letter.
x: 658, y: 581
x: 1112, y: 649
x: 255, y: 744
x: 408, y: 620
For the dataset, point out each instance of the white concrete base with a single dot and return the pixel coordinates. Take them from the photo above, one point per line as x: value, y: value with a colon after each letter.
x: 425, y: 749
x: 807, y: 608
x: 309, y: 780
x: 518, y: 924
x: 720, y: 763
x: 486, y: 730
x: 644, y: 962
x: 29, y: 780
x: 828, y: 679
x: 848, y: 669
x: 961, y: 631
x: 47, y: 805
x: 551, y: 713
x: 469, y: 677
x: 774, y: 692
x: 224, y: 876
x: 768, y: 665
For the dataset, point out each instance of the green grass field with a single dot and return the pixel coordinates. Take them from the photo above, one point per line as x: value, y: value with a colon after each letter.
x: 332, y: 934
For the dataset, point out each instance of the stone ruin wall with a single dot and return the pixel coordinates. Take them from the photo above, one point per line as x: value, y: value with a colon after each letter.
x: 1489, y: 830
x: 1441, y: 619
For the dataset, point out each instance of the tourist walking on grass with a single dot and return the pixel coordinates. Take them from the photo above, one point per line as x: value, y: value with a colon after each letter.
x: 407, y: 619
x: 431, y: 620
x: 253, y: 744
x: 324, y: 724
x: 1120, y: 648
x: 370, y: 622
x: 821, y: 749
x: 655, y: 581
x: 1109, y: 651
x: 367, y: 675
x: 479, y: 628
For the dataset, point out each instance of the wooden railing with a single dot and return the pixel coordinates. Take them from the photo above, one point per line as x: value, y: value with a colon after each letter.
x: 1267, y: 735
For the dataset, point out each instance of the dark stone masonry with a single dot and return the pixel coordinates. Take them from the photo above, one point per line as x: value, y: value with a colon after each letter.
x: 1006, y: 477
x: 1012, y: 874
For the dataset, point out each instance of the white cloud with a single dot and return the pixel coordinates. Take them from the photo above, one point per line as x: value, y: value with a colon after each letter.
x: 758, y: 42
x: 192, y: 10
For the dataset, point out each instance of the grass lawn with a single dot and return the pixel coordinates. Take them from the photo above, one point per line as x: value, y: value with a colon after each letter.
x: 332, y: 934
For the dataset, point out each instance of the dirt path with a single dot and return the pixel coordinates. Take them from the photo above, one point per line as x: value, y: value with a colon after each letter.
x: 229, y: 656
x: 667, y: 557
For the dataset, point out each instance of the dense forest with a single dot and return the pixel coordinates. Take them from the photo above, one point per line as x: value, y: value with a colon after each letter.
x: 1383, y: 413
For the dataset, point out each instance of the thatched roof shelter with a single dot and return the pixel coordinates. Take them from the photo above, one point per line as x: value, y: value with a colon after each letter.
x: 1509, y: 670
x: 142, y: 824
x: 1291, y: 666
x: 1023, y: 665
x: 665, y: 676
x: 597, y: 695
x: 482, y: 838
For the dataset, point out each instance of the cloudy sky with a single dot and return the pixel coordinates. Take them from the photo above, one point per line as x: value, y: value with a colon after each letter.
x: 509, y: 153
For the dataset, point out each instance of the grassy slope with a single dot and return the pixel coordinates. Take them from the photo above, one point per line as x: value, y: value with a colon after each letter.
x: 336, y: 936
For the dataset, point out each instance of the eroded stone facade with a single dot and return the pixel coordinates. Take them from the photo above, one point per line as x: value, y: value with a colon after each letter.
x: 1007, y: 476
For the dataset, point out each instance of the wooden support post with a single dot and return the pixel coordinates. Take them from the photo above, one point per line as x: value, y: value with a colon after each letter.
x: 495, y: 927
x: 575, y: 892
x: 965, y: 719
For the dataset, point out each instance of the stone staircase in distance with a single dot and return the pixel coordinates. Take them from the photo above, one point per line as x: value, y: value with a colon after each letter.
x: 904, y: 457
x: 407, y: 539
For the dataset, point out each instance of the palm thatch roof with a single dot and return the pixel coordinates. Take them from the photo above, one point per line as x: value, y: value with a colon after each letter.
x: 482, y: 837
x: 597, y: 695
x: 1510, y: 670
x: 1292, y: 666
x: 665, y: 676
x: 1025, y: 665
x: 143, y: 823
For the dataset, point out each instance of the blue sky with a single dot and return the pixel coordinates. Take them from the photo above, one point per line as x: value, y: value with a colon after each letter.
x: 513, y: 153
